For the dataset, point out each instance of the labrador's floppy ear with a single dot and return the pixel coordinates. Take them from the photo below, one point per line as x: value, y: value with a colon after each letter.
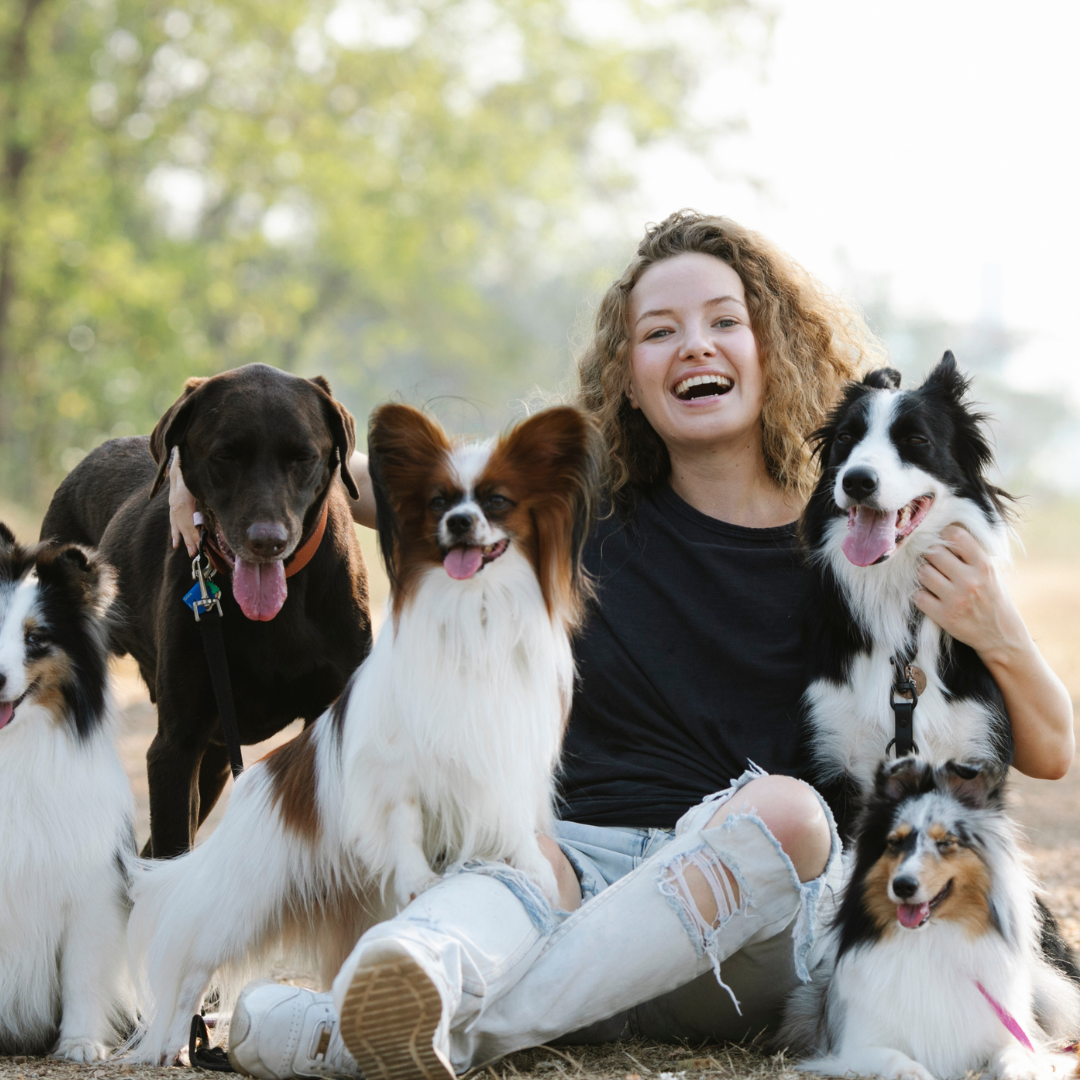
x: 342, y: 428
x: 172, y: 427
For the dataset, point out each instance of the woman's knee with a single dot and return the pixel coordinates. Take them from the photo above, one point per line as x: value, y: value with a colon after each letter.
x: 792, y: 812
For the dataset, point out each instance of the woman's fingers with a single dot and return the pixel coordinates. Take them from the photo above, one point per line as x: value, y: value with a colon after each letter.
x: 181, y: 507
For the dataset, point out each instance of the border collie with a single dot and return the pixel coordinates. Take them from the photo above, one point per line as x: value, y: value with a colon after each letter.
x: 66, y: 840
x: 898, y: 467
x: 935, y: 965
x: 442, y: 748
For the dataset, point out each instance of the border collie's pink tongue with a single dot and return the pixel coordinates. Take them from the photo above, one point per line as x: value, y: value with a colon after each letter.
x: 7, y: 710
x: 462, y: 562
x: 913, y: 915
x: 871, y: 535
x: 259, y: 588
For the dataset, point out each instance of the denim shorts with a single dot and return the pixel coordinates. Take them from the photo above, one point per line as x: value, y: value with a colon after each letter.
x: 601, y: 854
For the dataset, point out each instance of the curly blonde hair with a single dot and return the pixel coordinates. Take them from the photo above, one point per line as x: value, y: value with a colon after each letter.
x: 810, y: 344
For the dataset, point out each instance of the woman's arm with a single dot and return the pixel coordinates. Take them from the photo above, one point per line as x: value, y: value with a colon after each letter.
x: 964, y: 595
x: 182, y: 502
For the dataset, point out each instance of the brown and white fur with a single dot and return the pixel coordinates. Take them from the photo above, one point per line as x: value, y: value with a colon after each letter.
x: 66, y: 840
x: 441, y: 749
x: 941, y: 901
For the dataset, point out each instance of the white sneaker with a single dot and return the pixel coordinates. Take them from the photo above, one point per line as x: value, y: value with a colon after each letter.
x: 279, y: 1032
x: 389, y: 1017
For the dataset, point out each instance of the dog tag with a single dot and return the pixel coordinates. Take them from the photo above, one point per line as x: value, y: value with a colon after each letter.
x: 918, y: 678
x: 195, y: 593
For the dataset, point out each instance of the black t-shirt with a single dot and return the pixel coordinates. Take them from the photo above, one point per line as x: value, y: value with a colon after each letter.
x: 690, y: 664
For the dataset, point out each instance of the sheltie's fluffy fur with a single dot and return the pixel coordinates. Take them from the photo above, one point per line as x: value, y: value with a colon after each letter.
x: 941, y: 902
x: 898, y: 467
x: 442, y: 747
x: 66, y: 839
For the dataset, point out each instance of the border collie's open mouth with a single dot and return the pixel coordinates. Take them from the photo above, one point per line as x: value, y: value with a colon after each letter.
x: 914, y: 915
x: 462, y: 563
x: 7, y: 708
x: 873, y: 535
x: 702, y: 386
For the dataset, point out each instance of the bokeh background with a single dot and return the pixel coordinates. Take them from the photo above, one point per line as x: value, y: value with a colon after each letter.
x: 425, y: 199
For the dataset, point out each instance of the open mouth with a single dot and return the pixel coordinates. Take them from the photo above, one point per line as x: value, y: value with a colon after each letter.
x: 461, y: 563
x: 702, y: 386
x: 7, y: 708
x: 258, y: 587
x: 914, y: 915
x: 873, y: 535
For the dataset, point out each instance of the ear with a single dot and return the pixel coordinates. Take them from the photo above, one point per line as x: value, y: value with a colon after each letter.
x: 88, y: 571
x: 947, y: 378
x: 897, y: 780
x: 885, y: 378
x: 342, y: 429
x: 404, y: 447
x: 974, y: 783
x: 7, y: 537
x: 172, y: 427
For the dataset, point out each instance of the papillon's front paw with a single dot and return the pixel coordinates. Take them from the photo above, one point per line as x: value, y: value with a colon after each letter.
x: 80, y: 1048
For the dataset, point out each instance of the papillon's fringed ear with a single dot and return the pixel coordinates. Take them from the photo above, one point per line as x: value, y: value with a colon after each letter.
x: 974, y: 783
x: 172, y: 428
x: 343, y: 429
x: 404, y: 447
x: 885, y: 378
x: 7, y: 537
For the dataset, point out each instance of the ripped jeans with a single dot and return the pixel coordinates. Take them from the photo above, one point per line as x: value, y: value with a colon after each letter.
x: 635, y: 958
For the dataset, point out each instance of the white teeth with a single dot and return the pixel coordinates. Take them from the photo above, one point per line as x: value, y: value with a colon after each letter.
x: 721, y: 381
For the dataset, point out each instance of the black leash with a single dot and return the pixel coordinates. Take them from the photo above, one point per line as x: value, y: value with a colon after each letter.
x: 903, y: 697
x: 204, y: 600
x: 201, y: 1054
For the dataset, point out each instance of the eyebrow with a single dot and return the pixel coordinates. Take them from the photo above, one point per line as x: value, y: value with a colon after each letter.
x: 708, y: 303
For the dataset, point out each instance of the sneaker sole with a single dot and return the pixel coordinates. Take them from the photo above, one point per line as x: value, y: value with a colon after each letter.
x: 388, y: 1022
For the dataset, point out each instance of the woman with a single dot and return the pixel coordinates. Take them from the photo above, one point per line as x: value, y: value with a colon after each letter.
x: 714, y: 355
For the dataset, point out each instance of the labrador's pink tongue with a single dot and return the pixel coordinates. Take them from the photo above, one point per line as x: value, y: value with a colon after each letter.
x: 7, y: 709
x: 259, y: 588
x: 871, y: 535
x: 462, y: 562
x: 913, y: 915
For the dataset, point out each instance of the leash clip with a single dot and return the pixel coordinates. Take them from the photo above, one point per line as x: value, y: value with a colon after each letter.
x: 907, y: 689
x: 203, y: 596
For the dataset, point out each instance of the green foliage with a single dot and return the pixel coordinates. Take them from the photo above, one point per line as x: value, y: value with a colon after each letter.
x: 360, y: 187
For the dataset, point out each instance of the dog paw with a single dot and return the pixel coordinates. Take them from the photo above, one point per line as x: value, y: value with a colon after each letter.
x: 407, y: 889
x: 79, y: 1048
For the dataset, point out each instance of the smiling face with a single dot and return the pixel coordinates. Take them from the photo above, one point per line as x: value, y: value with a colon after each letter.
x: 694, y: 367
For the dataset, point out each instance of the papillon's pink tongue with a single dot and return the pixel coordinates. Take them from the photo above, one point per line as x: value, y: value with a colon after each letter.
x: 871, y: 535
x: 913, y: 915
x: 462, y: 562
x: 7, y: 710
x: 259, y: 588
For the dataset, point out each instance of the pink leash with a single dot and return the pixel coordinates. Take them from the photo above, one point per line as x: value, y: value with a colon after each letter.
x: 1006, y: 1018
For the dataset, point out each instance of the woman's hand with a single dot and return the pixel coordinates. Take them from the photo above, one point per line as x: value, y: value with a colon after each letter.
x: 964, y: 594
x: 181, y: 507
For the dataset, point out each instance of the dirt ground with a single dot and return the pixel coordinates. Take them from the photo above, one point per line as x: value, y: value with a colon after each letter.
x: 1046, y: 585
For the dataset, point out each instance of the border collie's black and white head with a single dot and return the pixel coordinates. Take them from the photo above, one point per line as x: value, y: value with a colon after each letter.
x: 53, y: 651
x: 933, y: 845
x: 899, y: 466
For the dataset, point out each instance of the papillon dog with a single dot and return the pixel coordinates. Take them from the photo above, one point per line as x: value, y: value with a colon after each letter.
x: 898, y: 466
x: 67, y: 844
x: 940, y: 961
x: 442, y: 748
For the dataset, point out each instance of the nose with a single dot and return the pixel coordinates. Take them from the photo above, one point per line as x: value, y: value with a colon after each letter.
x: 697, y: 342
x: 905, y: 887
x: 457, y: 525
x: 267, y: 538
x: 860, y: 483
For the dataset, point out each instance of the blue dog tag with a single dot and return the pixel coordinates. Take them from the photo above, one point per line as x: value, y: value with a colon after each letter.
x: 195, y: 593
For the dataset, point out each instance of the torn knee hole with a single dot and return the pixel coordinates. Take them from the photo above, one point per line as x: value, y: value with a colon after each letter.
x: 704, y: 889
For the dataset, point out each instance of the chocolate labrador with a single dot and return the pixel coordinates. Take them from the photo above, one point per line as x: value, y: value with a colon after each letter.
x: 266, y: 456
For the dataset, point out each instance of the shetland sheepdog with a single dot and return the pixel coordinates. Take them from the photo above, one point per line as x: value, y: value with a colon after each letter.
x: 67, y: 844
x: 441, y: 749
x: 898, y: 467
x: 939, y: 961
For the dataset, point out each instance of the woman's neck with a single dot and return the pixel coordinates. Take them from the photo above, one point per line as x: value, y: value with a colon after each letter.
x: 732, y: 484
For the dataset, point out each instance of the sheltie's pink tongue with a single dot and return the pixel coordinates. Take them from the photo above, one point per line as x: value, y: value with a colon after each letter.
x: 913, y: 915
x: 462, y: 562
x: 7, y: 710
x: 259, y: 588
x: 871, y: 535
